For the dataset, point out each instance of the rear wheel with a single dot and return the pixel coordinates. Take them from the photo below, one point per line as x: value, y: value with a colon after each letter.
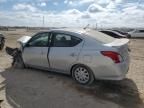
x: 82, y: 75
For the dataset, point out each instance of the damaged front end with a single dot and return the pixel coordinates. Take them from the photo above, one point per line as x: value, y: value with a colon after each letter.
x: 23, y: 40
x: 12, y: 51
x: 16, y: 53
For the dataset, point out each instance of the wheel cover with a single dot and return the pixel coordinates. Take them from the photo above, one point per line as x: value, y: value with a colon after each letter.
x: 81, y: 74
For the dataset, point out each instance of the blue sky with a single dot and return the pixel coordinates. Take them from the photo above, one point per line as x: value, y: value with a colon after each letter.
x: 72, y: 13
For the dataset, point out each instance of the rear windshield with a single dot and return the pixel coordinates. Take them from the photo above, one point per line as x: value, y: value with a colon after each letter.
x: 101, y: 37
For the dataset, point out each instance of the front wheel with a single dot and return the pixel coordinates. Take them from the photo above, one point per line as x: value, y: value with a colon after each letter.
x: 82, y: 75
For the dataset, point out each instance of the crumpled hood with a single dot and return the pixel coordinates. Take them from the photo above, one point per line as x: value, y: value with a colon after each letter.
x: 24, y: 39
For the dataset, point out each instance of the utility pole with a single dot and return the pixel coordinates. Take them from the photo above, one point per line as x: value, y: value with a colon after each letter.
x: 96, y: 25
x: 43, y: 21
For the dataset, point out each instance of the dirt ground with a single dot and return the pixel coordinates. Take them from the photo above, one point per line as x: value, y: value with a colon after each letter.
x: 31, y: 88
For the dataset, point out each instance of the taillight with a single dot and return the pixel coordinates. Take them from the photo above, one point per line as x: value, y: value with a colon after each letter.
x: 113, y: 55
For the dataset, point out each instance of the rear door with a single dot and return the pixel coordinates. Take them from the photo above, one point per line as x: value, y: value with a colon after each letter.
x: 64, y: 51
x: 36, y: 50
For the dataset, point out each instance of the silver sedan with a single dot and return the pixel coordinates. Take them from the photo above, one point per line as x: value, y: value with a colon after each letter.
x: 84, y: 54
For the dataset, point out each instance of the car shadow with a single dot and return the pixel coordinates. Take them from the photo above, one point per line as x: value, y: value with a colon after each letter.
x: 124, y: 93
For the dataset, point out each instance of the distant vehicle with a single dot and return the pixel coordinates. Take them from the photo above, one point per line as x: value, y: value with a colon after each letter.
x: 84, y: 54
x: 2, y: 41
x: 137, y: 33
x: 114, y: 34
x: 123, y: 33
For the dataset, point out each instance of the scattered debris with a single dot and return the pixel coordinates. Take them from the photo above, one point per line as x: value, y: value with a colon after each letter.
x: 1, y: 102
x: 15, y: 53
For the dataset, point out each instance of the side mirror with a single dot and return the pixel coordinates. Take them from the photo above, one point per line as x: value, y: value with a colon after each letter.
x: 27, y: 45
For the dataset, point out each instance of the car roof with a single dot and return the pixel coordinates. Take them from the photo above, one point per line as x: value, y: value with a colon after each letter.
x: 91, y: 33
x: 74, y: 30
x: 79, y: 31
x: 88, y: 34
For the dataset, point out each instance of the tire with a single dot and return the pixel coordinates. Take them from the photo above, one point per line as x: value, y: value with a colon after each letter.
x: 2, y: 44
x: 82, y: 75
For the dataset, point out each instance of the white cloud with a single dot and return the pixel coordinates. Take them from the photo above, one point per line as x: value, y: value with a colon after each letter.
x: 93, y: 8
x: 78, y: 2
x: 42, y: 4
x: 55, y: 3
x: 108, y: 1
x: 86, y: 1
x: 129, y: 17
x: 42, y: 0
x: 2, y: 1
x: 119, y: 1
x: 111, y: 6
x: 71, y: 3
x: 23, y: 18
x: 86, y: 16
x: 72, y: 12
x: 24, y: 6
x: 103, y: 2
x: 104, y: 14
x: 65, y: 2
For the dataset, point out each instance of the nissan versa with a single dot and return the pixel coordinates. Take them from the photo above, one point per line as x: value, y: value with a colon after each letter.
x: 83, y: 53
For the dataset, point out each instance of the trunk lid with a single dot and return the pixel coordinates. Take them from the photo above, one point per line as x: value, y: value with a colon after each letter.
x: 122, y: 46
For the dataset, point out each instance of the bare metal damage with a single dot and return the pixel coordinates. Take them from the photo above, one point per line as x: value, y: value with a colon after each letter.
x: 16, y: 52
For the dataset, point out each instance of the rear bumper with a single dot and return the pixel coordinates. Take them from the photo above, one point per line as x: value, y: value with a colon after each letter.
x: 112, y: 75
x: 112, y: 71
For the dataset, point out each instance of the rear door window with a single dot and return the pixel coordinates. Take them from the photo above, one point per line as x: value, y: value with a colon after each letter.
x: 64, y: 40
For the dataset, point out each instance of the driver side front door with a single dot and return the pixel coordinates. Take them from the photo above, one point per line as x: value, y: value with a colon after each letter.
x: 36, y: 50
